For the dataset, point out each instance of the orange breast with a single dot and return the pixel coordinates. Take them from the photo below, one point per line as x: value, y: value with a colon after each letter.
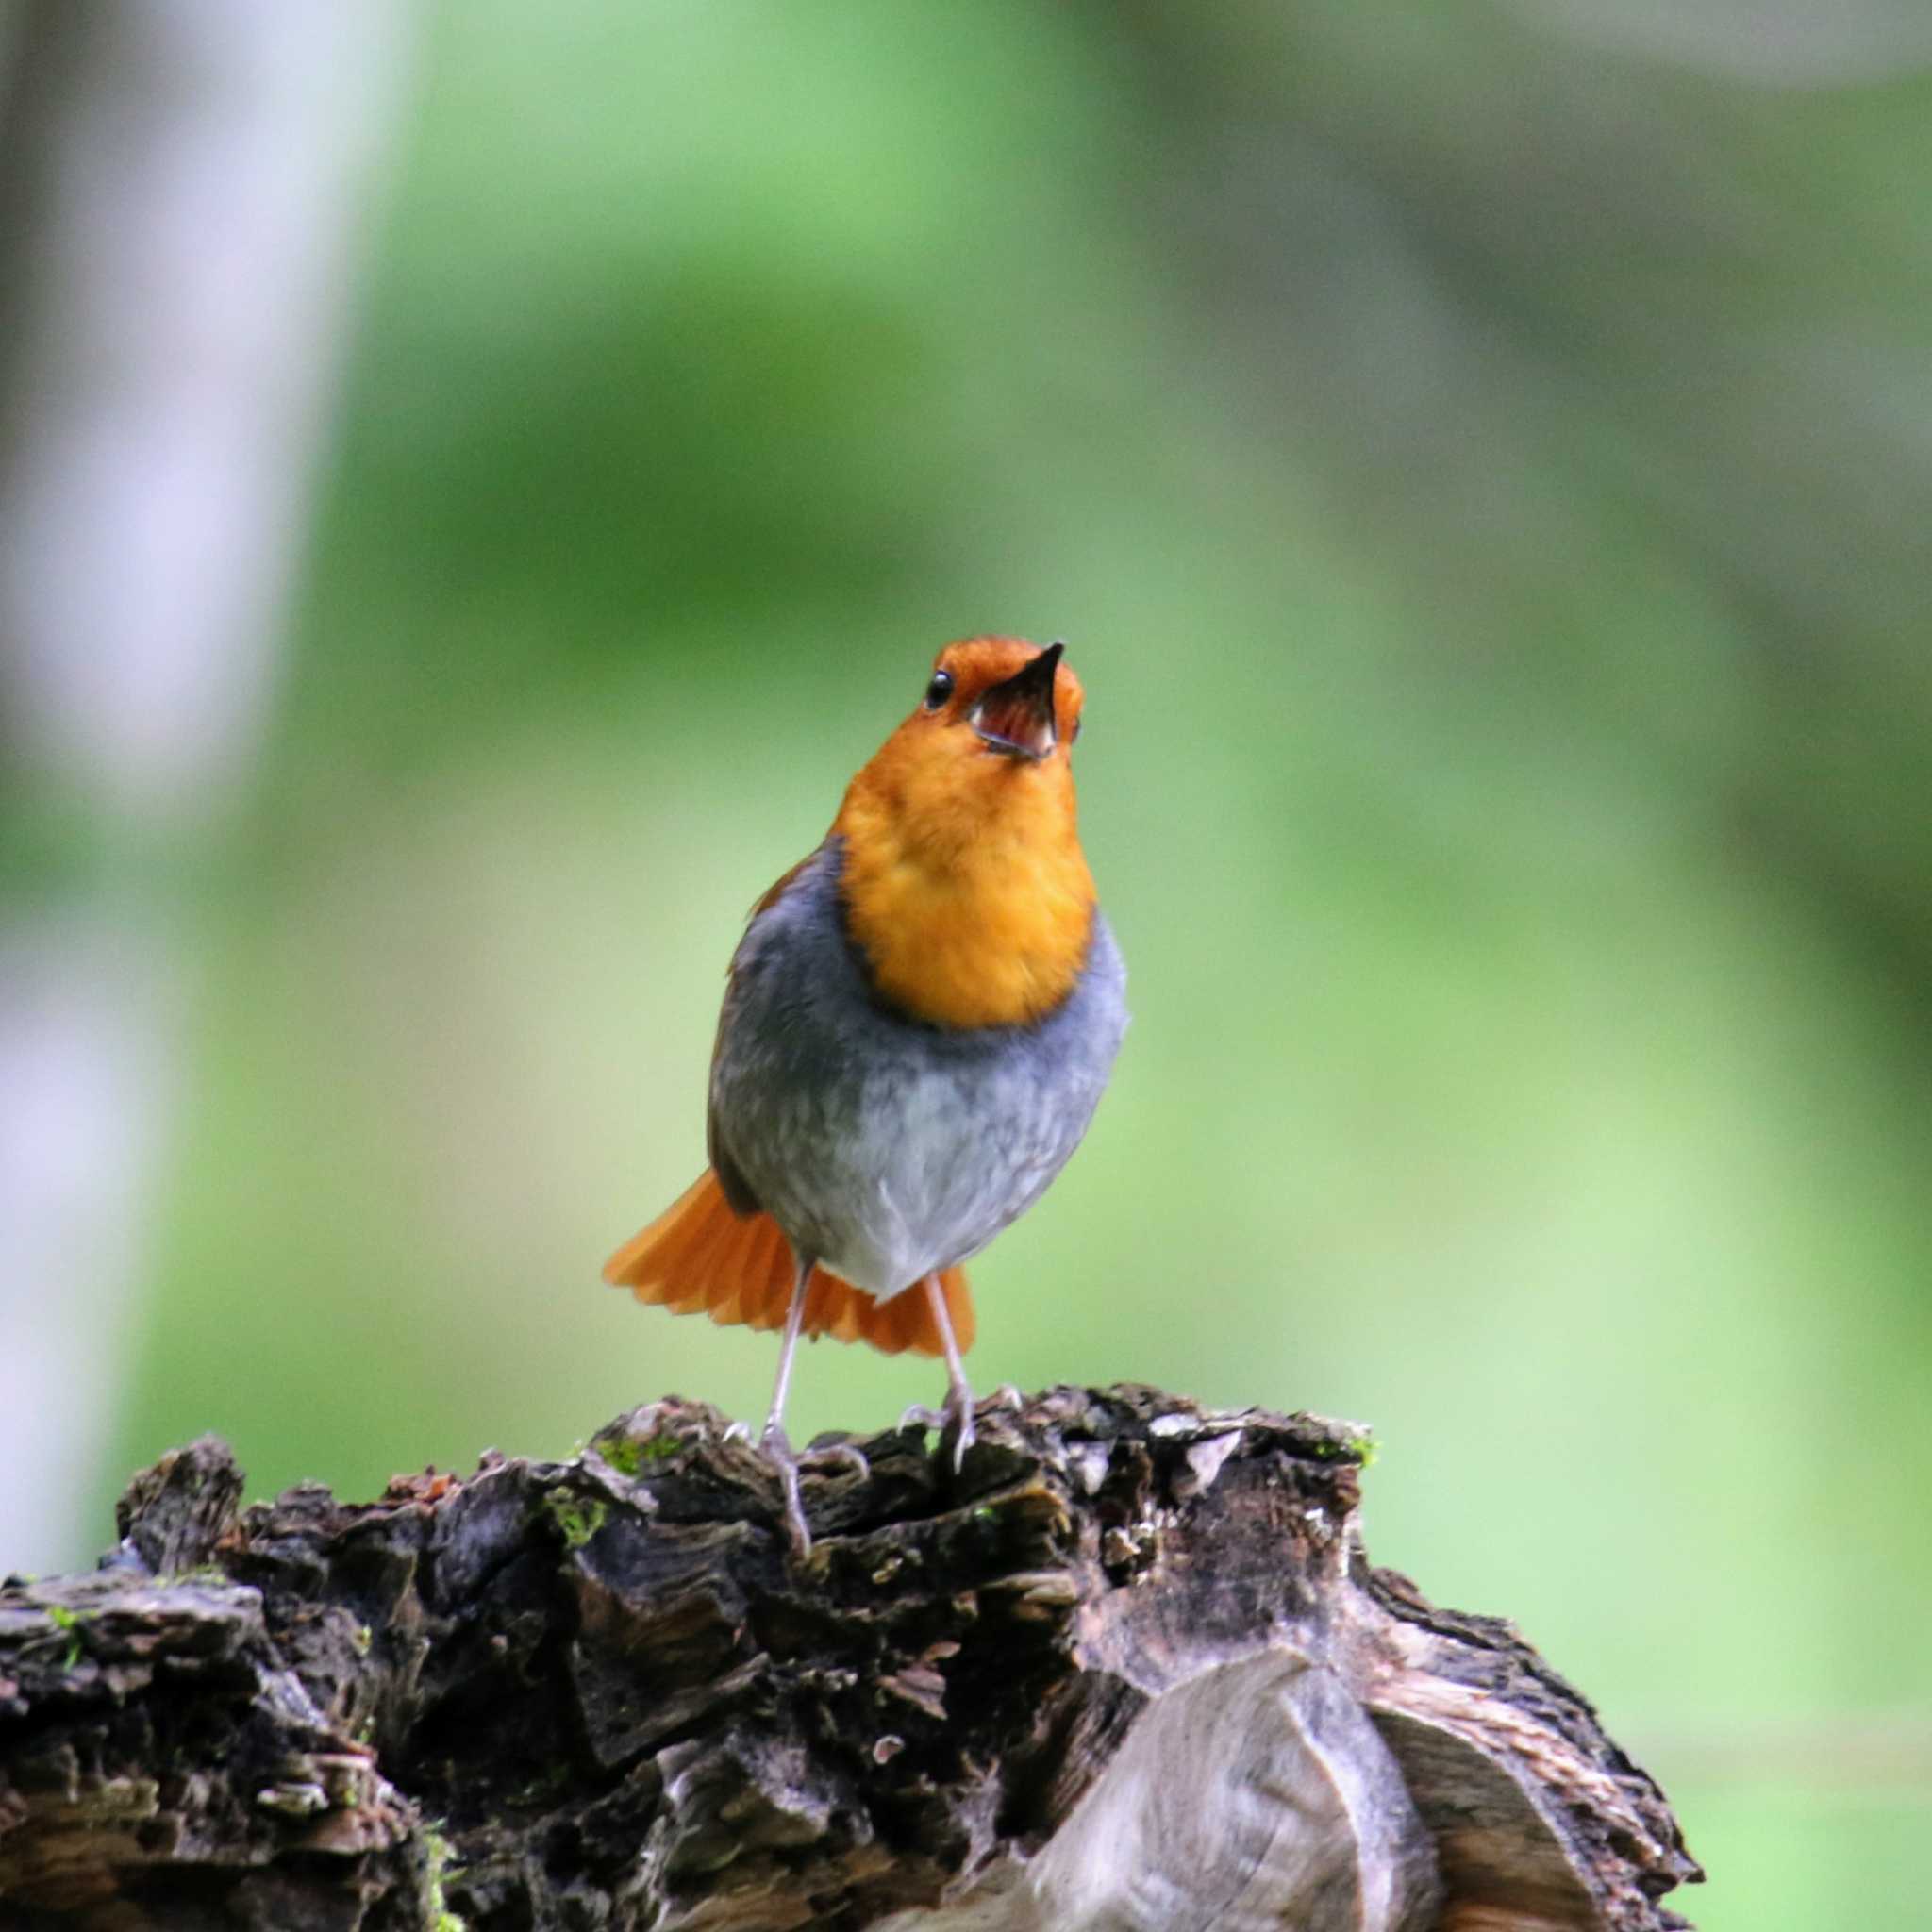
x: 971, y: 912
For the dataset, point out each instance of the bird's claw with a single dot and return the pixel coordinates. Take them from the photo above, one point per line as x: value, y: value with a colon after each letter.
x: 791, y: 1463
x: 838, y: 1455
x: 958, y: 1431
x: 776, y: 1448
x: 954, y: 1421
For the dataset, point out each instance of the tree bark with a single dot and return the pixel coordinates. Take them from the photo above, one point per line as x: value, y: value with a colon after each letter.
x: 1129, y: 1668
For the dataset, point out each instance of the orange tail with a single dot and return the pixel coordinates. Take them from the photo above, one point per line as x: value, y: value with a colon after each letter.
x: 700, y: 1255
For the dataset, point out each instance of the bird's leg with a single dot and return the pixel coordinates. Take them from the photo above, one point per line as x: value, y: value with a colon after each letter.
x: 955, y: 1420
x: 772, y: 1440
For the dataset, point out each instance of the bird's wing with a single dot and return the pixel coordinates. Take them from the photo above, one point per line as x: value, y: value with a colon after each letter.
x: 714, y: 1249
x: 738, y: 1189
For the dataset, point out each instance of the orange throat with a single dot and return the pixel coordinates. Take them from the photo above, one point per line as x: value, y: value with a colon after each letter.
x: 967, y: 891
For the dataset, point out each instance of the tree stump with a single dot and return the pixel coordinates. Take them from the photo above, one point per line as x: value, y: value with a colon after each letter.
x: 1128, y: 1667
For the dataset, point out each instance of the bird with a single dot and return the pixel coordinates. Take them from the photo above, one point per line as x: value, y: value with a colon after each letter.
x: 917, y: 1028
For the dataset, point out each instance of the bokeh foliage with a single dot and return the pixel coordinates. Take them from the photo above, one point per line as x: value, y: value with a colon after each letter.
x: 1481, y: 470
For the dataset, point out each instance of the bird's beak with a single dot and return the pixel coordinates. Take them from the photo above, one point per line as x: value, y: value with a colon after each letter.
x: 1016, y: 717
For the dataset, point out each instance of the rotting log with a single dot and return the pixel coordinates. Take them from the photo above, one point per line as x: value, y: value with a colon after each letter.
x: 1128, y: 1669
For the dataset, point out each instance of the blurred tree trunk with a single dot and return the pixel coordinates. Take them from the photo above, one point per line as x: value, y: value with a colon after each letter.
x: 180, y: 187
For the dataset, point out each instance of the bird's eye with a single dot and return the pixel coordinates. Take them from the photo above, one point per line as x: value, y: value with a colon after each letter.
x: 939, y: 691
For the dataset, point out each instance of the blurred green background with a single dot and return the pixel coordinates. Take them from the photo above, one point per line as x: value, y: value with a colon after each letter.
x: 1478, y: 456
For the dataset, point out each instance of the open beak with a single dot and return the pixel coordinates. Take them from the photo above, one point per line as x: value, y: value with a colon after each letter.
x: 1016, y: 717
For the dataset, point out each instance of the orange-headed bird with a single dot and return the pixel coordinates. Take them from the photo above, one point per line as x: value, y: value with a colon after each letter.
x: 917, y: 1028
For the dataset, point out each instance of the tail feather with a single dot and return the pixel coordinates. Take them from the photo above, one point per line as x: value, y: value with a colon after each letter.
x: 699, y: 1254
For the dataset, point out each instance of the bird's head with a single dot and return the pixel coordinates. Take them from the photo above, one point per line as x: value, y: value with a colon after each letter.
x: 999, y: 697
x: 962, y: 836
x: 990, y: 745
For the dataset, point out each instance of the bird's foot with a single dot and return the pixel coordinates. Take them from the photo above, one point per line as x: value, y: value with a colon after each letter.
x: 953, y: 1421
x: 846, y: 1456
x: 776, y: 1448
x: 791, y: 1464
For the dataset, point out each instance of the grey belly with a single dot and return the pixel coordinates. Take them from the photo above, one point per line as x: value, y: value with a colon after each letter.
x: 887, y: 1174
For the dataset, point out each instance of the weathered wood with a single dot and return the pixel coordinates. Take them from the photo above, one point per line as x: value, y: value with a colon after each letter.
x: 1130, y: 1669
